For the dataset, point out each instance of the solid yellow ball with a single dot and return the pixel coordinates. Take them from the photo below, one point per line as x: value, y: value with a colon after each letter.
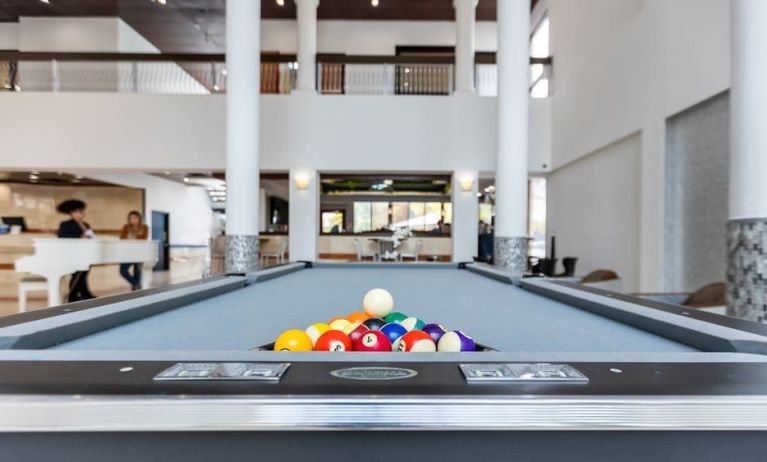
x: 293, y: 340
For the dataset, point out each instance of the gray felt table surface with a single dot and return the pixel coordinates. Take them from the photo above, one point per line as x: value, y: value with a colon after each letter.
x: 497, y: 314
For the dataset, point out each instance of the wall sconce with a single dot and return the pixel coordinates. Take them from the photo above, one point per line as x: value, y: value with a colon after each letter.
x: 302, y: 181
x: 466, y: 183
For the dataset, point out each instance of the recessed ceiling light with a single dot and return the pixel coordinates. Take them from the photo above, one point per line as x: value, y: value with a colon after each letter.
x: 281, y: 2
x: 374, y: 3
x: 46, y: 1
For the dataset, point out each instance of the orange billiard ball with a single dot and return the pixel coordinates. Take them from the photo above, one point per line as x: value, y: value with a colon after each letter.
x: 358, y: 316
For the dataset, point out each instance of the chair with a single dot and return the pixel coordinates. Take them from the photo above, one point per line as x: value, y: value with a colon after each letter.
x: 278, y: 255
x: 708, y: 296
x: 600, y: 276
x: 415, y: 254
x: 361, y: 254
x: 30, y: 284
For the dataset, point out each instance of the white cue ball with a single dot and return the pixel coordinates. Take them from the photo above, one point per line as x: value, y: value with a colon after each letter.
x: 378, y: 303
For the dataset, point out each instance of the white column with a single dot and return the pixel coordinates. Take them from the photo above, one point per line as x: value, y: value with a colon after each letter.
x: 303, y: 214
x: 513, y: 60
x: 243, y: 61
x: 465, y: 226
x: 465, y: 44
x: 306, y: 13
x: 747, y: 230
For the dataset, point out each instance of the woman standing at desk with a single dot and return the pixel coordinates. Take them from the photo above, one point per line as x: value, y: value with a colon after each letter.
x: 135, y: 229
x: 76, y: 228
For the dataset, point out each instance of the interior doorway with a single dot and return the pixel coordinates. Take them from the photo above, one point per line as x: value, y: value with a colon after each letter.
x: 161, y: 235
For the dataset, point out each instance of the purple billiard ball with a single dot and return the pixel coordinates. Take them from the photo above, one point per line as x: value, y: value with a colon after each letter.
x: 393, y: 331
x: 456, y: 341
x: 435, y: 331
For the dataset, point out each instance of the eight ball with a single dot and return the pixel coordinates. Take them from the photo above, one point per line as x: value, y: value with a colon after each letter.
x: 374, y: 323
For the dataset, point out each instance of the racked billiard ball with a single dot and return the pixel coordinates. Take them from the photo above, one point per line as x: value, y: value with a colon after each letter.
x: 333, y: 340
x: 339, y: 324
x: 315, y: 330
x: 456, y: 341
x: 412, y: 323
x: 372, y: 341
x: 393, y: 331
x: 293, y: 340
x: 416, y: 341
x: 435, y: 331
x: 378, y: 303
x: 357, y: 316
x: 358, y: 332
x: 374, y: 323
x: 395, y: 316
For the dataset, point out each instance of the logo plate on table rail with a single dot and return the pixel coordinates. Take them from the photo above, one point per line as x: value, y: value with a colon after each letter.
x: 374, y: 373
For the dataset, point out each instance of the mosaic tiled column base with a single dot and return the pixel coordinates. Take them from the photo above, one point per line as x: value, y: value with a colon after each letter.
x: 747, y: 269
x: 241, y: 254
x: 510, y: 253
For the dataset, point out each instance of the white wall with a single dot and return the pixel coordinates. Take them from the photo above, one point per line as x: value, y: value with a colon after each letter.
x: 372, y: 37
x: 68, y: 34
x: 622, y: 67
x: 9, y: 36
x: 191, y: 218
x: 594, y: 210
x: 167, y: 132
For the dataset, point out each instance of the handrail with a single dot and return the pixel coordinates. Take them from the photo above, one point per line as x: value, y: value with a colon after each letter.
x: 479, y: 58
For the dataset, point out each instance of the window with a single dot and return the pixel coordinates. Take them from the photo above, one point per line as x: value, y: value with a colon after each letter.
x: 332, y: 221
x: 363, y: 222
x: 537, y: 217
x: 378, y: 216
x: 539, y: 48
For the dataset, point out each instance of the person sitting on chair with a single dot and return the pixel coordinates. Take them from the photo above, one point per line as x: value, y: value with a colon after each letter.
x: 76, y: 228
x: 134, y: 229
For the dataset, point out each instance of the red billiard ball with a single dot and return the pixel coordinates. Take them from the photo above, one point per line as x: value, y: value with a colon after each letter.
x: 358, y: 332
x: 372, y: 341
x: 417, y: 341
x: 333, y: 340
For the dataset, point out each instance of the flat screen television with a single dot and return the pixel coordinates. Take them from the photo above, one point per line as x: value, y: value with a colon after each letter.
x: 12, y: 221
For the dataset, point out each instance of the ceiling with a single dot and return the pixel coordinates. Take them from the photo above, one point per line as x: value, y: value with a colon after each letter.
x: 50, y: 179
x: 197, y: 26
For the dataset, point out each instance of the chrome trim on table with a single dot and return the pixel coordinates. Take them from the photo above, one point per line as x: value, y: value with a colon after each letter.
x: 30, y: 413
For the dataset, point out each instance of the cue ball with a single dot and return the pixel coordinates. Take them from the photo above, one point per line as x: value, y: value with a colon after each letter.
x: 416, y: 341
x: 378, y: 303
x: 456, y: 341
x: 393, y: 331
x: 333, y: 340
x: 293, y: 340
x: 374, y: 323
x: 372, y: 341
x: 315, y: 330
x: 412, y: 323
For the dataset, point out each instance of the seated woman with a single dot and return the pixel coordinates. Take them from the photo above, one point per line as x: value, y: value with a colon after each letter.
x: 76, y: 228
x: 134, y: 229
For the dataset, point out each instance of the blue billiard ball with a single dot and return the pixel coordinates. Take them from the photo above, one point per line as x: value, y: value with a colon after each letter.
x: 393, y: 331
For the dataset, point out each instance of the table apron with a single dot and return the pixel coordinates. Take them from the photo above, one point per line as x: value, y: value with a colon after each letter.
x: 50, y: 413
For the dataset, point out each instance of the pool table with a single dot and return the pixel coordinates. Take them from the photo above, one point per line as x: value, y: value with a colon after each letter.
x: 570, y: 372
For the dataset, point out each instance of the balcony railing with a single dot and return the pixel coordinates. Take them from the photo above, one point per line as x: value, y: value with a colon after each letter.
x: 206, y: 74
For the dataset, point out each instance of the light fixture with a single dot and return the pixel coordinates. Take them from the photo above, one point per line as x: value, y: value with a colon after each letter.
x: 223, y: 72
x: 186, y: 180
x: 466, y: 183
x: 374, y: 3
x: 281, y: 2
x: 216, y: 88
x: 47, y: 2
x: 302, y: 180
